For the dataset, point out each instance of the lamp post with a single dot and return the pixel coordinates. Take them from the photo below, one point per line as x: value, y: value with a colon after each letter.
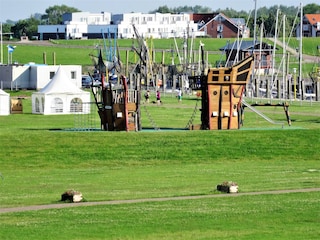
x: 294, y: 83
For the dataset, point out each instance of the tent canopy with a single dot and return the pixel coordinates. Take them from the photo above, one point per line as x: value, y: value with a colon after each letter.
x: 60, y: 83
x: 4, y: 103
x: 60, y: 96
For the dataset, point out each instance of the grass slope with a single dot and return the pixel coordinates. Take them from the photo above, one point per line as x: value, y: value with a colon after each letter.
x: 38, y: 164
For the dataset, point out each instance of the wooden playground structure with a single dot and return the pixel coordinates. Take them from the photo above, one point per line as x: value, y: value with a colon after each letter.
x: 221, y: 93
x: 118, y: 108
x: 221, y: 90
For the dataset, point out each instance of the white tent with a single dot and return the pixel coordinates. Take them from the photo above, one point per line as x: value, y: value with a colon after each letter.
x: 60, y: 96
x: 4, y: 103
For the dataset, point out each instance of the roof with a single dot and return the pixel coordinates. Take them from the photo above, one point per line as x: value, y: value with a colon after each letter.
x: 3, y: 93
x: 313, y: 18
x: 203, y: 17
x: 60, y: 83
x: 246, y: 46
x: 236, y: 22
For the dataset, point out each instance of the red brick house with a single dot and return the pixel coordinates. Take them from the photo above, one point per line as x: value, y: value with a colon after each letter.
x: 217, y: 25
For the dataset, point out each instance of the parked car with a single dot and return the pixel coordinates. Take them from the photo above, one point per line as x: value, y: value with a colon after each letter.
x: 86, y: 81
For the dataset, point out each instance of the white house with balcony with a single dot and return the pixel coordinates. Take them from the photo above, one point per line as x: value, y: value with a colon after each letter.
x: 156, y: 25
x: 83, y: 25
x: 78, y: 25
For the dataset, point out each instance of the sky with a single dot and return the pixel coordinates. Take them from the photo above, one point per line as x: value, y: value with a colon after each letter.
x: 22, y: 9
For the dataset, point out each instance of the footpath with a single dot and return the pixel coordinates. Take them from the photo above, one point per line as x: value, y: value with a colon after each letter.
x: 305, y: 58
x: 115, y: 202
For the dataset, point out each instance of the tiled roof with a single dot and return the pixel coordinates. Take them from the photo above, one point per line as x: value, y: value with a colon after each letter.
x: 246, y: 46
x: 313, y: 18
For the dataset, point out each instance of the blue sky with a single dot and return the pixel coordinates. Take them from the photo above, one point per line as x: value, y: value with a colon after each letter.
x: 22, y: 9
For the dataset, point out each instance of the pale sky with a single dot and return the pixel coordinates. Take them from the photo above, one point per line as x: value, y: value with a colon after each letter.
x: 22, y: 9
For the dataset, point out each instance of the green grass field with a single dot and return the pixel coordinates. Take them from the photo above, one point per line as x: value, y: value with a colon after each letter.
x: 41, y: 157
x: 76, y: 52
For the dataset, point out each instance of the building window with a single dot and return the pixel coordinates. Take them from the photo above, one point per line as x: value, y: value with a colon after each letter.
x: 219, y: 35
x: 51, y: 75
x: 73, y: 75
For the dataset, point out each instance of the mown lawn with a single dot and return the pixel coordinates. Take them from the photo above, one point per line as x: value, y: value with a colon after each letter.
x: 41, y: 157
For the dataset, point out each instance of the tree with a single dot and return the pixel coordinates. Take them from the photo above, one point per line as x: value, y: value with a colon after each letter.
x: 186, y: 9
x: 311, y: 8
x: 162, y: 9
x: 54, y: 14
x: 27, y: 27
x: 6, y: 30
x: 6, y: 27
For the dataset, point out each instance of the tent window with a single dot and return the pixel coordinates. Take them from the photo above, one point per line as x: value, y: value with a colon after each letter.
x: 37, y: 105
x: 42, y: 104
x: 76, y: 105
x: 57, y: 105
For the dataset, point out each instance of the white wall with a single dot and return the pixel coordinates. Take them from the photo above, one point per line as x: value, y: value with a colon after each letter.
x: 157, y: 25
x: 34, y: 76
x: 14, y: 76
x: 4, y: 103
x: 40, y: 75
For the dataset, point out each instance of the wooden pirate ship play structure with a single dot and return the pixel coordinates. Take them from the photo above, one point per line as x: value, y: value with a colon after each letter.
x: 118, y: 107
x: 221, y: 89
x: 222, y: 95
x: 221, y: 92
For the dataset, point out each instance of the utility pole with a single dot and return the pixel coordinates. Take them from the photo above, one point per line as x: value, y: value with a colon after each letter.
x: 300, y: 50
x: 255, y: 22
x: 254, y: 43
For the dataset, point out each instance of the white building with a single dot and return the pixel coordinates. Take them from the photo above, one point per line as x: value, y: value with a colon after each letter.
x: 4, y: 103
x: 102, y: 18
x: 35, y: 76
x: 78, y: 25
x: 157, y: 25
x: 82, y: 25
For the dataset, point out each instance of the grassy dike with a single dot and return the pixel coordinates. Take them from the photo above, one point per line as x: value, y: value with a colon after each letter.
x: 38, y: 164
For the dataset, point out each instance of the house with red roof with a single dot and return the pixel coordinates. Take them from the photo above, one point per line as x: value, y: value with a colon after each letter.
x: 310, y: 26
x: 218, y: 25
